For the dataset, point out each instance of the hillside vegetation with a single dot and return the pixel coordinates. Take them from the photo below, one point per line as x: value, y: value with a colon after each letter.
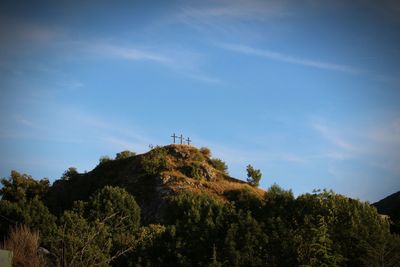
x: 177, y: 206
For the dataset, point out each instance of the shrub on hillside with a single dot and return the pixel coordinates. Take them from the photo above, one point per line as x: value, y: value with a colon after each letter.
x: 104, y: 159
x: 70, y: 173
x: 192, y: 170
x: 219, y: 165
x: 125, y: 154
x: 155, y: 161
x: 206, y: 152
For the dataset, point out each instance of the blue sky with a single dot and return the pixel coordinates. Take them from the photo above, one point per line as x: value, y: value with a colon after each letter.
x: 307, y: 91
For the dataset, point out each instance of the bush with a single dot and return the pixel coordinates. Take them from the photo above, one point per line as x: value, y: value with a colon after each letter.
x: 125, y: 154
x: 220, y: 165
x: 116, y: 206
x: 193, y: 170
x: 104, y: 159
x: 206, y: 152
x: 70, y: 173
x: 245, y: 199
x: 155, y: 161
x: 24, y: 244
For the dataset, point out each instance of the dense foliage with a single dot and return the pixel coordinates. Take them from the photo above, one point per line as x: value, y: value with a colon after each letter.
x: 239, y: 228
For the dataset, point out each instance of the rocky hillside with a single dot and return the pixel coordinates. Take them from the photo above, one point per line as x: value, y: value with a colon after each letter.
x: 152, y: 178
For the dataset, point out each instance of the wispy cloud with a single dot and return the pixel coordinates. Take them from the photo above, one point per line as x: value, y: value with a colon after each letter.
x: 63, y: 46
x: 179, y: 59
x: 69, y: 125
x: 246, y: 155
x: 273, y: 55
x: 377, y: 145
x: 23, y: 121
x: 333, y: 136
x: 251, y: 9
x: 129, y: 53
x: 108, y: 131
x: 230, y: 19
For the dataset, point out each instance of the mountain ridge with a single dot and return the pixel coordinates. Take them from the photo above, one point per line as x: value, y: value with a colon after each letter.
x: 390, y: 206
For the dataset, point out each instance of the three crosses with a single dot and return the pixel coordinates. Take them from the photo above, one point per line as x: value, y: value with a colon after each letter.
x: 181, y: 138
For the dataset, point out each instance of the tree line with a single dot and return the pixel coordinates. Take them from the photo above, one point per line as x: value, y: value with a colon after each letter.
x: 317, y: 229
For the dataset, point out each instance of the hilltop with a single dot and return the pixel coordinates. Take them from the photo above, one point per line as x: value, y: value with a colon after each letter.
x: 152, y: 178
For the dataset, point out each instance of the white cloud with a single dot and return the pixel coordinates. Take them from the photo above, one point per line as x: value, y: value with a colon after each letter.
x: 273, y: 55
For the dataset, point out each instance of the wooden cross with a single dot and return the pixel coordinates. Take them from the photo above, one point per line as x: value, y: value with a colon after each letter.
x: 181, y: 138
x: 188, y: 141
x: 174, y: 136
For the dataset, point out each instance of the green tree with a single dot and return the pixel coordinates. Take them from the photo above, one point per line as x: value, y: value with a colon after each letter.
x: 278, y: 216
x: 354, y: 227
x: 104, y: 159
x: 21, y: 202
x: 319, y: 250
x: 384, y: 253
x: 116, y: 206
x: 86, y: 244
x: 69, y: 174
x: 125, y: 154
x: 101, y: 231
x: 29, y: 212
x: 245, y: 241
x: 149, y: 249
x: 194, y: 217
x: 253, y: 175
x: 21, y: 187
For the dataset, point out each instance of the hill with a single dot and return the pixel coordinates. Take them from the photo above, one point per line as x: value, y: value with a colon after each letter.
x: 390, y: 205
x: 152, y: 178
